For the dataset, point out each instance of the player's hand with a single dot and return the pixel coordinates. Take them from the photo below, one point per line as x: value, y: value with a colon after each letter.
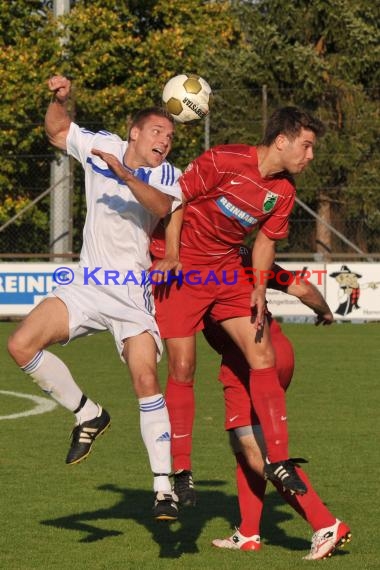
x: 326, y: 319
x: 168, y: 265
x: 60, y: 86
x: 258, y: 307
x: 114, y: 164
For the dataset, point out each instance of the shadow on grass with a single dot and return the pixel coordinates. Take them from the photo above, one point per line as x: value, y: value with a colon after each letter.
x: 180, y: 537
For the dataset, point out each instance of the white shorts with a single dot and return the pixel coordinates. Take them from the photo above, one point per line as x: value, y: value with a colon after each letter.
x: 123, y: 310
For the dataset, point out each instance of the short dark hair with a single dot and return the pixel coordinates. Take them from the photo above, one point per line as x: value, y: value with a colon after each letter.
x: 141, y: 116
x: 289, y: 121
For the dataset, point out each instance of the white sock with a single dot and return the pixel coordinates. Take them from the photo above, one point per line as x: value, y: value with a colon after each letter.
x: 89, y: 411
x: 54, y: 378
x: 155, y: 431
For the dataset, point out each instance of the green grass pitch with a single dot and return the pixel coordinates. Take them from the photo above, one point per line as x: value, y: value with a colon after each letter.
x: 96, y: 515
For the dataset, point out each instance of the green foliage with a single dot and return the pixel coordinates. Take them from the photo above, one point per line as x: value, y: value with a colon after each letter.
x: 319, y: 55
x: 135, y: 48
x: 25, y: 54
x: 322, y: 56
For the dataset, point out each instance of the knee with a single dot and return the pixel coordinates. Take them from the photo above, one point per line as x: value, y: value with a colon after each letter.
x: 19, y: 348
x: 261, y: 357
x: 265, y: 360
x: 13, y: 345
x: 146, y: 384
x: 181, y: 369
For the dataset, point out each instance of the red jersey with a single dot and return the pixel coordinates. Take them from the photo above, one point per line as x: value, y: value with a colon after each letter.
x: 226, y: 198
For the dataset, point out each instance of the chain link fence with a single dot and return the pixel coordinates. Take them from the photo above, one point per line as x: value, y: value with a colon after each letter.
x: 27, y: 232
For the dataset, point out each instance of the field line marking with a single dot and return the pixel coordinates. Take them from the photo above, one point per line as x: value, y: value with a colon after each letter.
x: 43, y: 405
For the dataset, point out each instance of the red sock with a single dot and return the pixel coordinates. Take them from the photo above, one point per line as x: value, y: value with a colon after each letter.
x: 181, y: 406
x: 309, y: 506
x: 268, y: 399
x: 251, y: 491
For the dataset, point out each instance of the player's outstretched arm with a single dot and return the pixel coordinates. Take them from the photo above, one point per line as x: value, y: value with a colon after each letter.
x: 171, y: 261
x: 57, y: 119
x: 152, y: 199
x: 310, y: 296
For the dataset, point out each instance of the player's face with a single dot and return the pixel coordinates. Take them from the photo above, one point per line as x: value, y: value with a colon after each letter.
x: 348, y: 280
x: 298, y: 152
x: 153, y: 141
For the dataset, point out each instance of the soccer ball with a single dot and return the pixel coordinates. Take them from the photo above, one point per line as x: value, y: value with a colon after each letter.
x: 187, y: 98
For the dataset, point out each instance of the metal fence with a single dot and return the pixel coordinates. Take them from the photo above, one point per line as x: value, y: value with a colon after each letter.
x: 49, y: 225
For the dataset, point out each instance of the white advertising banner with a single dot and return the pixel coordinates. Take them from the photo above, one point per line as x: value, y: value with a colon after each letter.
x: 353, y: 290
x: 283, y: 305
x: 24, y: 285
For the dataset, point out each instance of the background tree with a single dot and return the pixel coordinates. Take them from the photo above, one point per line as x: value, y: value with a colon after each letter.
x: 119, y: 55
x: 135, y: 48
x: 320, y: 55
x: 25, y: 56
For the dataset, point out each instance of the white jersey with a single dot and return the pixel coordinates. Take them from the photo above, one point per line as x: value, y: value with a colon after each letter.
x: 117, y: 230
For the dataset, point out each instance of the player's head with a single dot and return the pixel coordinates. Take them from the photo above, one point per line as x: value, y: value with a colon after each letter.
x: 150, y: 136
x: 290, y: 121
x: 143, y: 115
x: 290, y: 137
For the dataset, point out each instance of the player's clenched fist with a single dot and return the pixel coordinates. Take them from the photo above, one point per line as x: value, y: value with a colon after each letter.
x: 60, y: 86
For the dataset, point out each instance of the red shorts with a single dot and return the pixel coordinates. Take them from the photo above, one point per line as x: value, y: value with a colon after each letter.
x: 234, y: 375
x: 181, y: 304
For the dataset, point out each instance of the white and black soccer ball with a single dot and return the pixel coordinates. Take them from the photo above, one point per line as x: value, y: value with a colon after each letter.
x: 187, y: 97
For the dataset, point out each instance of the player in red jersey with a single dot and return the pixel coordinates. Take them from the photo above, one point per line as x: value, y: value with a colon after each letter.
x: 246, y: 437
x: 230, y: 191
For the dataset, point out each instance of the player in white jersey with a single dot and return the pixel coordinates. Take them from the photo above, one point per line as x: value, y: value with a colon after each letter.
x: 129, y: 187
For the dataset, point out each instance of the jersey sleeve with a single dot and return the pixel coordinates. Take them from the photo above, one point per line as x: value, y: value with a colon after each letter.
x: 201, y: 175
x: 276, y: 226
x: 166, y: 179
x: 80, y: 141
